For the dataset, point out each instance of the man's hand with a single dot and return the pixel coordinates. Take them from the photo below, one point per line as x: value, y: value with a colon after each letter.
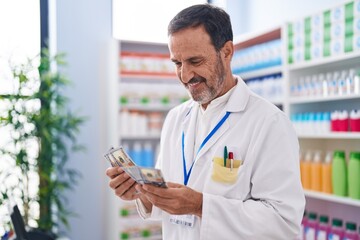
x: 176, y: 199
x: 122, y: 183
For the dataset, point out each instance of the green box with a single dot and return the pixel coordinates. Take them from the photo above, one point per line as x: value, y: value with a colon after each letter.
x: 349, y: 10
x: 327, y: 33
x: 349, y: 27
x: 290, y: 44
x: 327, y: 49
x: 290, y: 29
x: 307, y: 39
x: 327, y: 18
x: 307, y: 53
x: 348, y: 43
x: 291, y: 56
x: 307, y: 24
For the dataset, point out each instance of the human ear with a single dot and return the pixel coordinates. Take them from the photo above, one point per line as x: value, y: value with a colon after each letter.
x: 228, y: 50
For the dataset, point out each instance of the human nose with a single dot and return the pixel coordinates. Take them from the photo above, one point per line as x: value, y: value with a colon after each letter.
x: 186, y: 73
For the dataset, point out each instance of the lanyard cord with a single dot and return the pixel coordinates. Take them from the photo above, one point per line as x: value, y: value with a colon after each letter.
x: 218, y: 125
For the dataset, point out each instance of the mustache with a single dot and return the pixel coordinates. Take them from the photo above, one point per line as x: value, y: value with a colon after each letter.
x: 196, y: 80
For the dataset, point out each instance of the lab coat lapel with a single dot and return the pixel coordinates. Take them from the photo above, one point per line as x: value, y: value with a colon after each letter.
x: 224, y: 127
x: 189, y: 128
x: 237, y: 103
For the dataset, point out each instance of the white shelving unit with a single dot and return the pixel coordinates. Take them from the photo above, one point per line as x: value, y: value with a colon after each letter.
x: 144, y: 89
x: 331, y: 205
x: 262, y: 72
x: 248, y: 41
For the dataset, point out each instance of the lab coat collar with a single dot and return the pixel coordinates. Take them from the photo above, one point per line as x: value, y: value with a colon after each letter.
x: 239, y: 98
x: 236, y: 103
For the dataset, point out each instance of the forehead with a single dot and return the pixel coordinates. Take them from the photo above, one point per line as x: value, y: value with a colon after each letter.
x: 190, y: 42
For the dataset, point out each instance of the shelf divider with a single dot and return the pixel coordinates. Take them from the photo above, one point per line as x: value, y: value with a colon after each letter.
x: 332, y: 198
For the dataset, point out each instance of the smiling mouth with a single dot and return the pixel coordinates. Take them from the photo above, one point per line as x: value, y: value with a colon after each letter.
x: 195, y: 82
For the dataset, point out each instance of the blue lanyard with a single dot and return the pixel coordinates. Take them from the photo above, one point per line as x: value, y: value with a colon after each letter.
x: 187, y: 174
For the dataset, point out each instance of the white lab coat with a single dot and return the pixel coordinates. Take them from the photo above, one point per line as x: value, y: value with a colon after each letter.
x: 266, y: 201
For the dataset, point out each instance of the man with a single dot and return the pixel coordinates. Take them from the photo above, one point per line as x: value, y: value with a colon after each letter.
x: 258, y: 194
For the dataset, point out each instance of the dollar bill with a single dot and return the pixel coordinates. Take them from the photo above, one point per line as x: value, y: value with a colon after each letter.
x: 142, y: 175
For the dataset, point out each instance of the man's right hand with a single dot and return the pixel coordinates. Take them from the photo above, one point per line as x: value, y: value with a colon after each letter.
x: 122, y: 183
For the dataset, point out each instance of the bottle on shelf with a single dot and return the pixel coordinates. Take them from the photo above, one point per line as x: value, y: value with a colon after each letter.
x: 339, y: 174
x: 355, y: 120
x: 326, y: 169
x: 306, y: 170
x: 315, y: 172
x: 323, y: 228
x: 343, y: 121
x: 354, y: 175
x: 337, y: 231
x: 350, y: 232
x: 137, y: 153
x: 357, y: 83
x: 148, y: 155
x: 303, y: 226
x: 312, y: 225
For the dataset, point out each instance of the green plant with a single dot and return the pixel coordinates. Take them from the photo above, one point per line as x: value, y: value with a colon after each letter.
x: 42, y: 132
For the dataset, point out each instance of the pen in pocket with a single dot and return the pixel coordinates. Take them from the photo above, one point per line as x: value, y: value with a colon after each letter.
x: 225, y: 155
x: 231, y: 158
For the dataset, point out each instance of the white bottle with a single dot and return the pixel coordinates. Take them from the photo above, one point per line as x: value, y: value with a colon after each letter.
x: 326, y: 84
x: 350, y: 82
x: 333, y: 88
x: 124, y: 121
x: 341, y: 83
x: 357, y: 84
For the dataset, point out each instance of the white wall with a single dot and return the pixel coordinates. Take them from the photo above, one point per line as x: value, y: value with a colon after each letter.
x: 84, y: 32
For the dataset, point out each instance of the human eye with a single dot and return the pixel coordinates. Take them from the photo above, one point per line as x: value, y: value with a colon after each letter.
x: 177, y: 63
x: 195, y: 61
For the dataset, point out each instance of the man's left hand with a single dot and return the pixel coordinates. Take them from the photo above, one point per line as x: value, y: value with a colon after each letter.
x: 175, y: 199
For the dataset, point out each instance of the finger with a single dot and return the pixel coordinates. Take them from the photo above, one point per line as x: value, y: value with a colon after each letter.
x: 131, y: 193
x: 123, y: 187
x: 154, y: 189
x: 118, y: 180
x: 174, y: 185
x: 112, y: 172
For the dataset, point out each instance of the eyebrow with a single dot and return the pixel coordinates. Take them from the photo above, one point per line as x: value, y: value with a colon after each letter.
x: 189, y: 59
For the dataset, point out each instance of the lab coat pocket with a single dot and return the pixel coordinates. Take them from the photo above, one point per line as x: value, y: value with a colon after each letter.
x: 225, y: 174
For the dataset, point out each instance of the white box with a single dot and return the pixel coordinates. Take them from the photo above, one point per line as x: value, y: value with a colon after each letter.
x: 337, y: 30
x: 337, y: 14
x: 356, y: 42
x: 357, y: 8
x: 316, y: 51
x: 337, y: 46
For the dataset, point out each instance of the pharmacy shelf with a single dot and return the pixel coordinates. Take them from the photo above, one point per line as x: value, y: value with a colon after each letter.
x: 334, y: 135
x: 141, y: 138
x: 148, y: 107
x: 345, y: 59
x: 309, y: 99
x: 131, y: 77
x: 260, y: 72
x: 253, y: 38
x: 332, y: 198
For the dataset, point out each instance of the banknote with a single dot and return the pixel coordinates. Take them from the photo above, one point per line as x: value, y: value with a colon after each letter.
x: 142, y: 175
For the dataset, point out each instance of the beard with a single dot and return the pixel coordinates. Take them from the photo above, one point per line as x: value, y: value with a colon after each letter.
x: 211, y: 87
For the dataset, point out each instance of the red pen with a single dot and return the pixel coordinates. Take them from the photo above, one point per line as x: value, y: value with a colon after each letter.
x: 231, y: 158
